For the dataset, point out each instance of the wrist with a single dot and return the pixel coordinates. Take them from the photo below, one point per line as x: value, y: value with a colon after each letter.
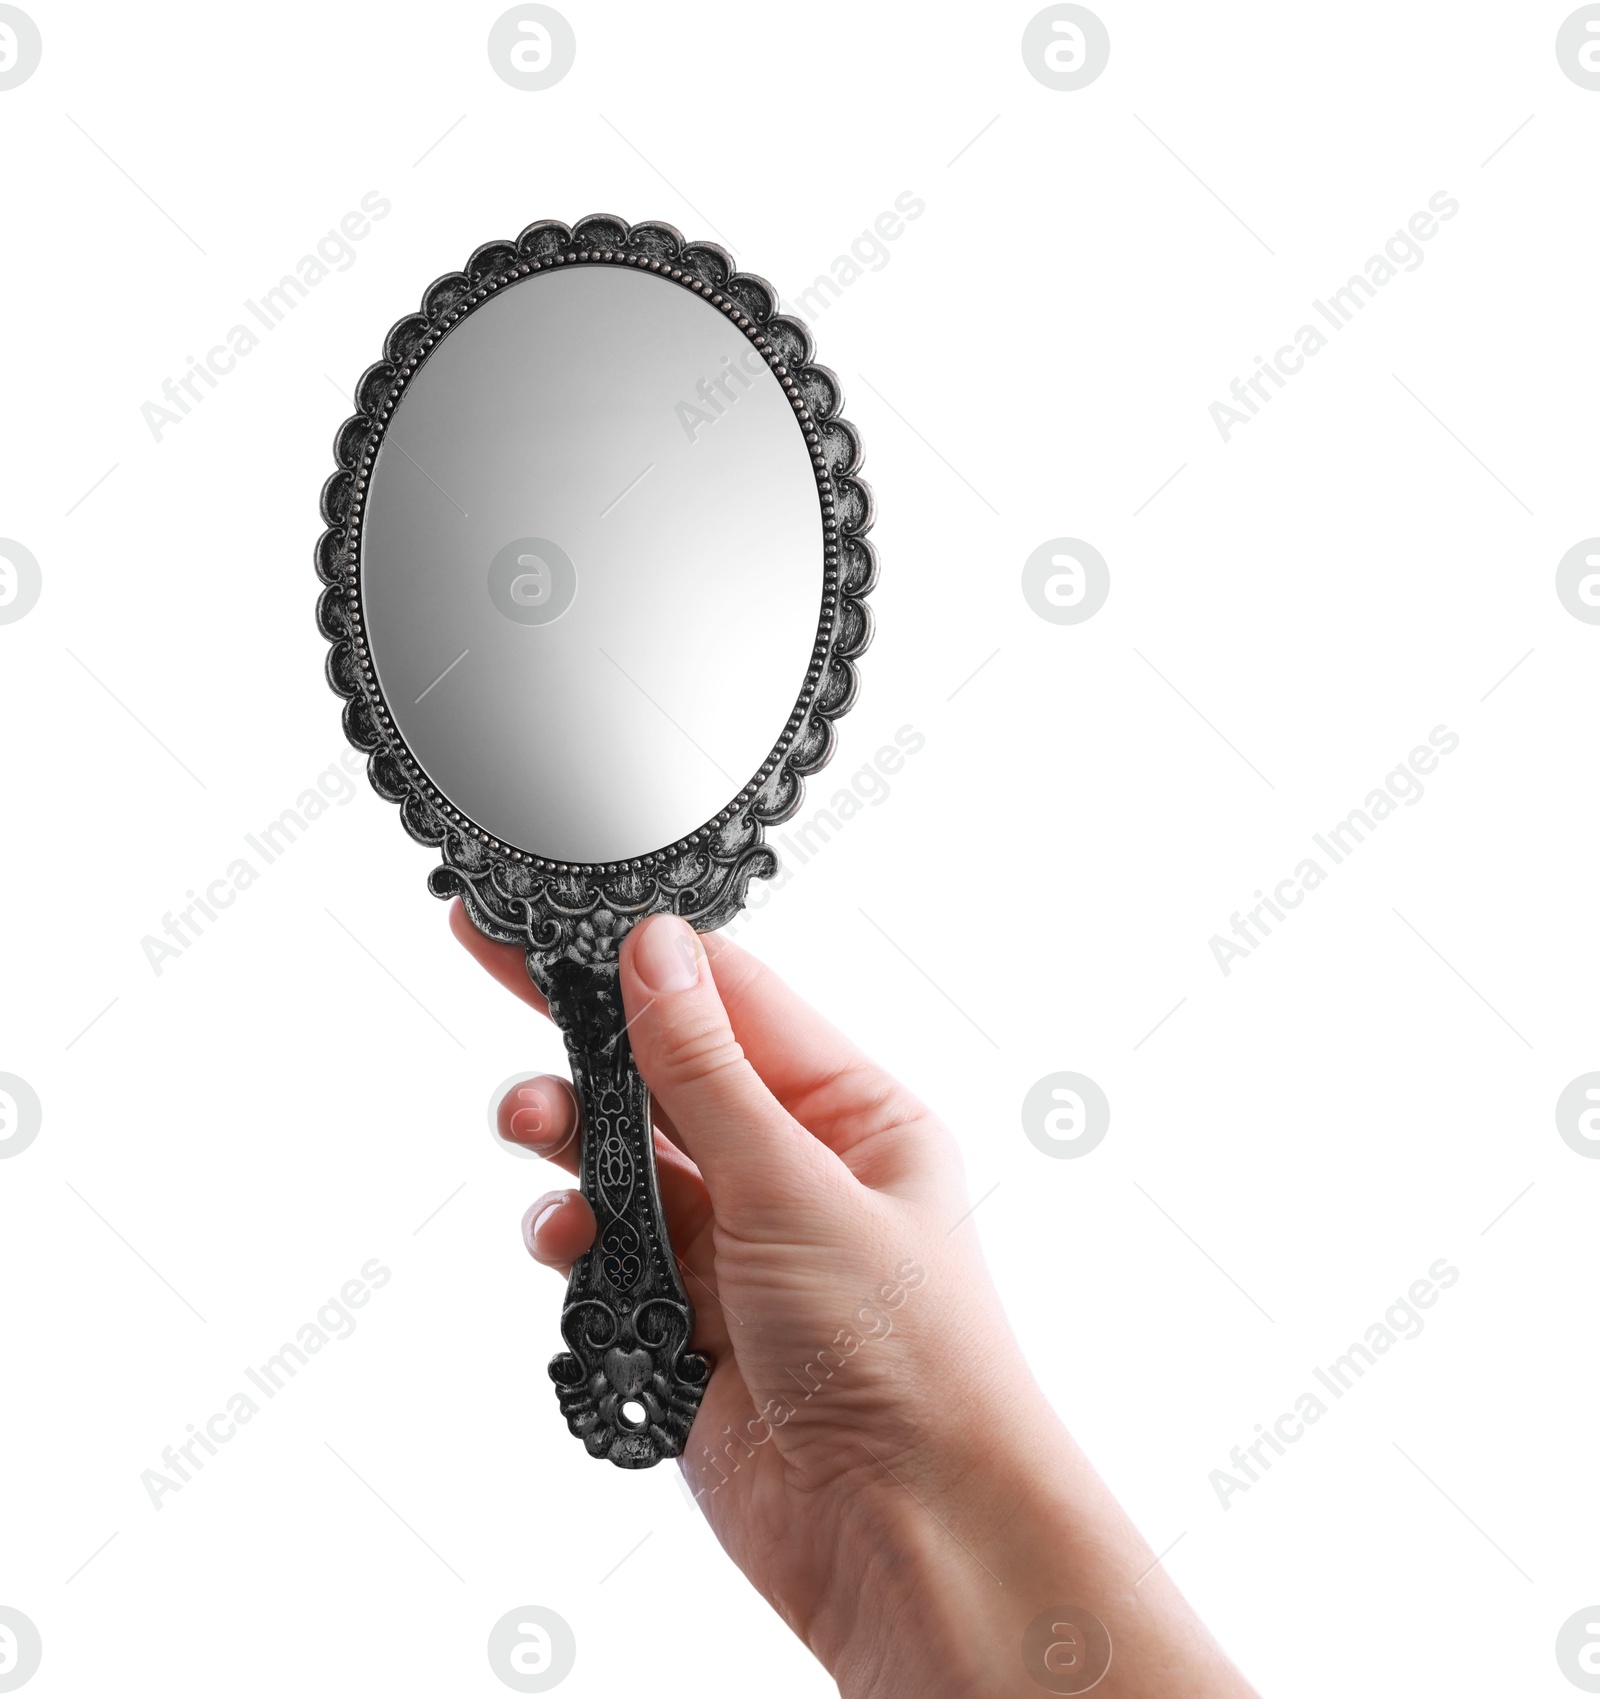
x: 940, y: 1556
x: 954, y: 1570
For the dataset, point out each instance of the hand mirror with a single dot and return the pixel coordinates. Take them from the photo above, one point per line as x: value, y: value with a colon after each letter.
x: 594, y: 568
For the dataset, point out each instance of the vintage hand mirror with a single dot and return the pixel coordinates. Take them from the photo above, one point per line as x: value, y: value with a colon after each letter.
x: 595, y: 562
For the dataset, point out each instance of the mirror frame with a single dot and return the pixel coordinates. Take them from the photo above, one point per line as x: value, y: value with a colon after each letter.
x: 627, y: 1322
x: 559, y: 910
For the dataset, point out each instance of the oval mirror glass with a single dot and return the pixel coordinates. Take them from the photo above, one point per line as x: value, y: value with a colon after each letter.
x: 592, y: 563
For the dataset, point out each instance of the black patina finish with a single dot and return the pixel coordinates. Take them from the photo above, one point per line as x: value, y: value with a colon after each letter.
x: 628, y: 1385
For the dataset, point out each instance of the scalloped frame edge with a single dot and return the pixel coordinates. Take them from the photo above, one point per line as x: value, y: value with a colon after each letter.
x: 582, y: 910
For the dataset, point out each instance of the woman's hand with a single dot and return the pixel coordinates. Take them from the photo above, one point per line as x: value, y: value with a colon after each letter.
x: 871, y: 1450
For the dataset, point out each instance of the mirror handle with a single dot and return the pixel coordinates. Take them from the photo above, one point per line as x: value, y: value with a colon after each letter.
x: 628, y: 1384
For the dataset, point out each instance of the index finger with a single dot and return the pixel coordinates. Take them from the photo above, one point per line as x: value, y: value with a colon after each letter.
x: 794, y: 1049
x: 506, y: 962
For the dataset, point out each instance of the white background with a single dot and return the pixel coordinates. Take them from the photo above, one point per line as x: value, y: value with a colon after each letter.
x: 306, y: 1087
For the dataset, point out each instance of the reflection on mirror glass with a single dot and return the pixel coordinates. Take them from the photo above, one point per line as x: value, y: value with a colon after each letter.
x: 592, y: 563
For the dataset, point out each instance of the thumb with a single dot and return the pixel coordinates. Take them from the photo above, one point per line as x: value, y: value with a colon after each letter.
x: 751, y: 1151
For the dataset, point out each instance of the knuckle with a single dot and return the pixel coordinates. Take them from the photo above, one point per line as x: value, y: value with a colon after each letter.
x: 879, y: 1103
x: 892, y: 1107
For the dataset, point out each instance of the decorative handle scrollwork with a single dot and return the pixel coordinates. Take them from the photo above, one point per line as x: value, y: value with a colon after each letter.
x: 628, y: 1383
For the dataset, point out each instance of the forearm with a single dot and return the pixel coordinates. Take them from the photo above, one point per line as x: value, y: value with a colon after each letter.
x: 1012, y: 1570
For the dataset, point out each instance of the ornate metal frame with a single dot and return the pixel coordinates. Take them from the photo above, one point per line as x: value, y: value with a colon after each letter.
x: 627, y: 1319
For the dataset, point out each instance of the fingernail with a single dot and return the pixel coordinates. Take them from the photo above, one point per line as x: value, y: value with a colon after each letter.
x: 539, y: 1215
x: 530, y: 1123
x: 666, y: 954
